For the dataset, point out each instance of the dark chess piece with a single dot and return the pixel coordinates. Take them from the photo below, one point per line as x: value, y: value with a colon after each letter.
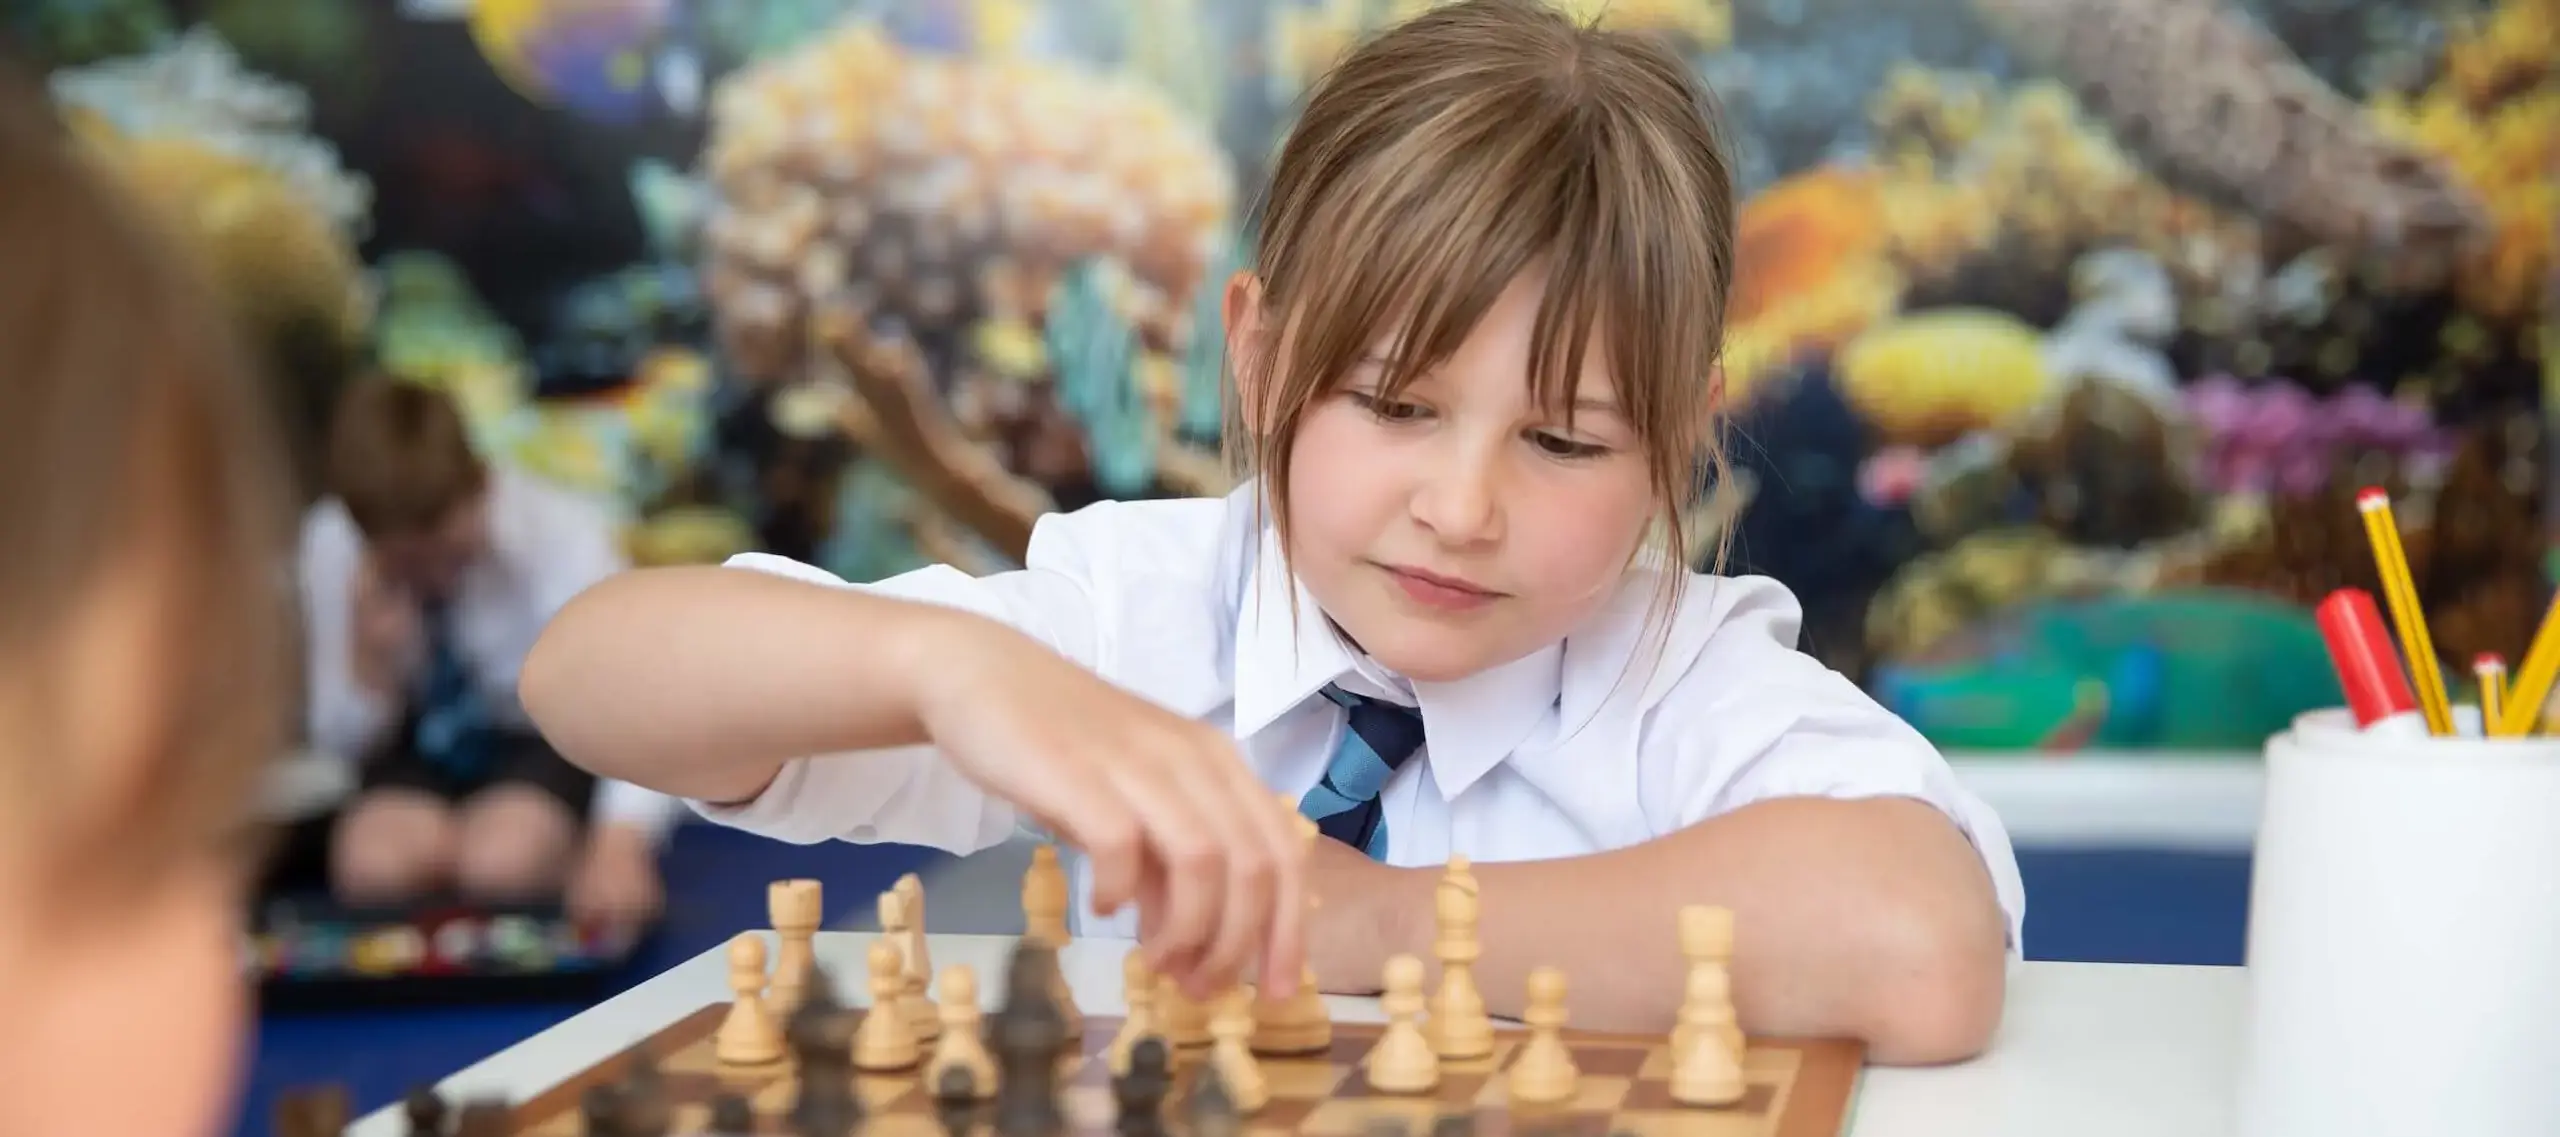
x: 312, y: 1111
x: 1029, y: 1035
x: 647, y: 1109
x: 1141, y: 1091
x: 821, y: 1038
x: 732, y: 1115
x: 600, y: 1111
x: 1453, y: 1125
x: 1212, y: 1110
x: 425, y: 1112
x: 484, y: 1117
x: 955, y: 1101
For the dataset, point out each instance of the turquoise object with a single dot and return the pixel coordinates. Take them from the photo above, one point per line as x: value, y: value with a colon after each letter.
x: 1094, y: 353
x: 2206, y: 670
x: 1204, y: 359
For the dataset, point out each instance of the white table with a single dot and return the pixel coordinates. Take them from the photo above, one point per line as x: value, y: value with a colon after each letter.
x: 2089, y: 1050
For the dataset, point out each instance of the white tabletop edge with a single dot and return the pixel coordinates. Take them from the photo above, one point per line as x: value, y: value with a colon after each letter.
x: 2093, y: 1050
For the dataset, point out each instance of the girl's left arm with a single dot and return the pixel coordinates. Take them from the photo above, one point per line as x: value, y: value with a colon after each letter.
x: 1872, y: 918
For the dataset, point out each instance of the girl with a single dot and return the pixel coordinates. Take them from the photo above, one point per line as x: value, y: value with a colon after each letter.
x: 143, y: 649
x: 1448, y: 613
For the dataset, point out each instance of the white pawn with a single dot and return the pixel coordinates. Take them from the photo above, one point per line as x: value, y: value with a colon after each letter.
x: 1544, y: 1073
x: 1138, y: 990
x: 884, y: 1041
x: 1403, y: 1062
x: 1706, y: 942
x: 750, y: 1035
x: 1706, y: 1071
x: 961, y: 1043
x: 1231, y: 1050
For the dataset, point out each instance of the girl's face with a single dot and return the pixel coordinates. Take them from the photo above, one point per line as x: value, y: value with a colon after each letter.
x: 125, y: 1013
x: 1460, y: 526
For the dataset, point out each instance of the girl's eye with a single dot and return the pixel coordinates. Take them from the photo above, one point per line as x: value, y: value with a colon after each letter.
x: 1557, y: 445
x: 1386, y: 409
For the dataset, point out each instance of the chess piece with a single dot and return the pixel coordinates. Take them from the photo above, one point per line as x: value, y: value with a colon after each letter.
x: 750, y: 1036
x: 1138, y: 989
x: 1211, y: 1110
x: 962, y: 1045
x: 1543, y: 1073
x: 648, y: 1108
x: 956, y: 1091
x: 1299, y: 1023
x: 492, y: 1117
x: 1453, y: 1125
x: 1402, y: 1062
x: 312, y: 1111
x: 1459, y: 1026
x: 1183, y: 1020
x: 794, y: 908
x: 600, y: 1111
x: 425, y: 1112
x: 1708, y: 1070
x: 910, y: 890
x: 1030, y: 1037
x: 1706, y: 942
x: 822, y: 1052
x: 884, y: 1042
x: 914, y: 1006
x: 1231, y: 1050
x: 1044, y: 914
x: 732, y: 1115
x: 1140, y: 1090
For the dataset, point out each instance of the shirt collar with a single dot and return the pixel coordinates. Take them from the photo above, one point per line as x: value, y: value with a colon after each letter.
x: 1282, y: 658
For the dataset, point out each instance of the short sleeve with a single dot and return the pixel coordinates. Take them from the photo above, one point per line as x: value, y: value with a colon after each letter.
x: 1753, y: 718
x: 909, y: 795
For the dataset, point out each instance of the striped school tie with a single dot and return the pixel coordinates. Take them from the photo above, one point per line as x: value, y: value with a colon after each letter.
x: 1380, y: 736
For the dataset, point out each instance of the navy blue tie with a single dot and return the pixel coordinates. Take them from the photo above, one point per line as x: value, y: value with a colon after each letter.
x: 1377, y: 739
x: 451, y: 723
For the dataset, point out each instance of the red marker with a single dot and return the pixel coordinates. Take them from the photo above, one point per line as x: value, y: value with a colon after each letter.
x: 2368, y: 668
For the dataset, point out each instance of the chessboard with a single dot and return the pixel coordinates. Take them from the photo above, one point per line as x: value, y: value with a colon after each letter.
x: 1796, y: 1089
x: 789, y: 1054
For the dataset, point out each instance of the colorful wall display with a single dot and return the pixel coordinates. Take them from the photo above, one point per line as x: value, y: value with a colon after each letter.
x: 2064, y: 329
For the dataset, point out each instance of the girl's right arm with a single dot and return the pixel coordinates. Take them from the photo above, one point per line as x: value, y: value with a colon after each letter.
x: 706, y: 682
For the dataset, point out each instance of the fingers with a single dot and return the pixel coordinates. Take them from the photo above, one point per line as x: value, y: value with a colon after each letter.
x: 1244, y: 868
x: 1189, y: 850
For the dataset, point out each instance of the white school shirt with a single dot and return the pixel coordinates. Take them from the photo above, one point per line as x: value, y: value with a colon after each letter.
x: 1186, y: 603
x: 547, y: 544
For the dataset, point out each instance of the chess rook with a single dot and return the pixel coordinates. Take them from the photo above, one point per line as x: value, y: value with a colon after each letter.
x: 795, y: 908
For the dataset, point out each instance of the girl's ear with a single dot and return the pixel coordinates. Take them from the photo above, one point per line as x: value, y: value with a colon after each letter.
x: 1247, y: 356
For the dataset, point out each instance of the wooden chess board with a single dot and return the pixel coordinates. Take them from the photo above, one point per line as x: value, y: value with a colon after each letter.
x: 1797, y: 1089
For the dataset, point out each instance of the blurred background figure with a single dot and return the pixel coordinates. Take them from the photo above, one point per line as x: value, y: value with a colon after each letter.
x: 426, y: 574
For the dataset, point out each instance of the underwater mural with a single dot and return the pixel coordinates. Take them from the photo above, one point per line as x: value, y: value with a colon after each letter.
x: 2063, y: 331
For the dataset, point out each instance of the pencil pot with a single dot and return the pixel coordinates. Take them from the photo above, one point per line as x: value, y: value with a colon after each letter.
x: 2404, y: 938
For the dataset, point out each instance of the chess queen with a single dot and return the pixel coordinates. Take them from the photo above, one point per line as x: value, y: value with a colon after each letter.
x: 1456, y: 605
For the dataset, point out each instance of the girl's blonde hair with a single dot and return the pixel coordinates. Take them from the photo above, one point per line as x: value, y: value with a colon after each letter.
x: 130, y: 427
x: 1440, y: 160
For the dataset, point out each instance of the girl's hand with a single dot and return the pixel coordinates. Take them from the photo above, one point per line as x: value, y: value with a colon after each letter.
x: 1168, y: 812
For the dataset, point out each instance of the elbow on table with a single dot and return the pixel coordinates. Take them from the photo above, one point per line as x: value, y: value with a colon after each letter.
x: 1941, y: 986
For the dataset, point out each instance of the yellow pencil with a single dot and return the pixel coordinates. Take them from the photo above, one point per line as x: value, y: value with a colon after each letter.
x: 2492, y: 673
x: 2402, y: 592
x: 2532, y: 684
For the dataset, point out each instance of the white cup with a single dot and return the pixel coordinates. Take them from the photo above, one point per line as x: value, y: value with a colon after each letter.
x: 2404, y: 937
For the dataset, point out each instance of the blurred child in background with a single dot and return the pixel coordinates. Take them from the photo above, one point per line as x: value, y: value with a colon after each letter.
x: 144, y: 537
x: 426, y: 574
